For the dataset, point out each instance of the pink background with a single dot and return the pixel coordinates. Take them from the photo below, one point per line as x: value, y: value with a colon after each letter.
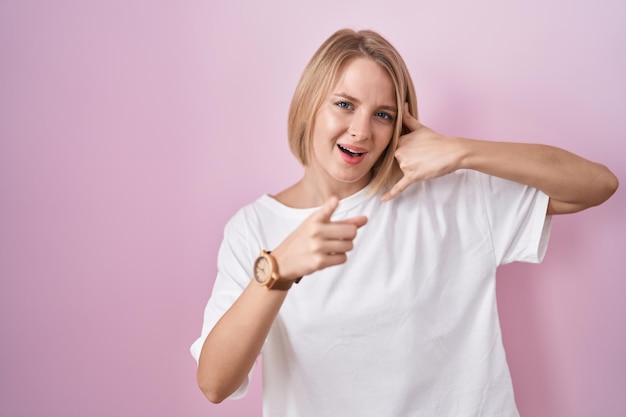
x: 130, y: 131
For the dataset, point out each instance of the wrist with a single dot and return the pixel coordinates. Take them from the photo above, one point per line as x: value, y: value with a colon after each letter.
x: 286, y: 273
x: 466, y: 152
x: 266, y: 273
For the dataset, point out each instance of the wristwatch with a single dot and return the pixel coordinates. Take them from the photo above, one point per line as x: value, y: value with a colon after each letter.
x: 266, y: 273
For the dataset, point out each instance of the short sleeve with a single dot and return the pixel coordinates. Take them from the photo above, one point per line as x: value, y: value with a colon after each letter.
x: 518, y: 220
x: 234, y: 265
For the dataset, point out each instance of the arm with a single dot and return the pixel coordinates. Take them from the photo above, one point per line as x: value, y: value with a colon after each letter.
x: 572, y: 183
x: 231, y: 348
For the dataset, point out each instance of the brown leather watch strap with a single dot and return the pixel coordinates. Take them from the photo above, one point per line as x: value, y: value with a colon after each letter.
x: 279, y: 284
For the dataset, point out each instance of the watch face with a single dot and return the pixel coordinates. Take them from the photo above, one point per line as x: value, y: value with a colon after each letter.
x: 262, y: 269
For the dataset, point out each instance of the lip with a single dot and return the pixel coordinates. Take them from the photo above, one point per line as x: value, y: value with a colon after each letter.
x: 358, y: 153
x: 353, y: 148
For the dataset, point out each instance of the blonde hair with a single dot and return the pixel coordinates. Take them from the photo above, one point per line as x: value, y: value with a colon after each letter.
x: 316, y: 82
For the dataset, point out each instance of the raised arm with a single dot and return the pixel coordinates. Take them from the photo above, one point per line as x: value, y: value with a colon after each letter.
x: 572, y: 183
x: 232, y: 346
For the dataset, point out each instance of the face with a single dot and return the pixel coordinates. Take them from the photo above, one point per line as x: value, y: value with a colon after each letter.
x: 353, y: 126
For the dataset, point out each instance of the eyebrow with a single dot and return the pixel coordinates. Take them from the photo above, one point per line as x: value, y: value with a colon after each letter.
x: 356, y: 100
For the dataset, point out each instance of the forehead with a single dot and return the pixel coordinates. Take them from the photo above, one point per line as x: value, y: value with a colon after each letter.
x: 364, y: 79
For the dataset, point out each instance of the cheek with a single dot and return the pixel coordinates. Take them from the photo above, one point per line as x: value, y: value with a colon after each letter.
x: 332, y: 121
x: 383, y: 136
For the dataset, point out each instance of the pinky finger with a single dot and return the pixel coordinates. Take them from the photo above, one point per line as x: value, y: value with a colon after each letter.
x: 397, y: 189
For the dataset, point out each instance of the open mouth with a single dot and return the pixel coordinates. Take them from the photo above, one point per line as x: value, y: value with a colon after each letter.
x: 350, y: 152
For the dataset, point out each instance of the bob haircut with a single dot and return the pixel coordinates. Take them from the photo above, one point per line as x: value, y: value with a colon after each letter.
x: 317, y: 79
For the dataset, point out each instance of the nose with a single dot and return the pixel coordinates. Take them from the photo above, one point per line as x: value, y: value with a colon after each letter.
x: 360, y: 128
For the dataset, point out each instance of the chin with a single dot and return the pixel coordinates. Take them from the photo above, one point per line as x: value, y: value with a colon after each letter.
x: 353, y: 180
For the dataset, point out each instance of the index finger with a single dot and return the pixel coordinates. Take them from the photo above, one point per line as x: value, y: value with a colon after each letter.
x: 326, y: 211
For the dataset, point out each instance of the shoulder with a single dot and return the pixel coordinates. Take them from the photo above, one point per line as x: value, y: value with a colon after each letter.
x: 262, y: 210
x: 467, y: 190
x: 457, y: 184
x: 246, y: 216
x: 264, y: 221
x: 466, y: 182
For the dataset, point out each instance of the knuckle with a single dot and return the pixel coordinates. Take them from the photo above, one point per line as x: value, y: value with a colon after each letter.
x: 316, y: 247
x: 318, y: 261
x: 316, y: 229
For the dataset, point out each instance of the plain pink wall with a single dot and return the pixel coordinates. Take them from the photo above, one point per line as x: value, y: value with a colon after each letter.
x: 130, y: 131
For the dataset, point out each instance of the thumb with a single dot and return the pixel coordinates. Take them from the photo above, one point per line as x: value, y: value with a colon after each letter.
x: 358, y: 221
x: 409, y: 121
x: 397, y: 189
x: 326, y: 211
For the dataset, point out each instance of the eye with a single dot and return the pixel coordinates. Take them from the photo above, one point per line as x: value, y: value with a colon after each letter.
x: 383, y: 115
x: 343, y: 105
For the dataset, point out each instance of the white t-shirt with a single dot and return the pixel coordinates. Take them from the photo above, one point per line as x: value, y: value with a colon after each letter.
x: 408, y: 326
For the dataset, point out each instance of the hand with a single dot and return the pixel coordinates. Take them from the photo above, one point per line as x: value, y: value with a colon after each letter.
x: 317, y: 243
x: 423, y: 154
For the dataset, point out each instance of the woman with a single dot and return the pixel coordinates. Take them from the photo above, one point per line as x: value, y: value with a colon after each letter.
x: 393, y: 236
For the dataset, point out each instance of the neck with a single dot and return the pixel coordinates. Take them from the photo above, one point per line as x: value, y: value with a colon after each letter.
x: 311, y: 192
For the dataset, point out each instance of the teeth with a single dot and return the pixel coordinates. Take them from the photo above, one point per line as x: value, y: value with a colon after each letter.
x: 349, y: 151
